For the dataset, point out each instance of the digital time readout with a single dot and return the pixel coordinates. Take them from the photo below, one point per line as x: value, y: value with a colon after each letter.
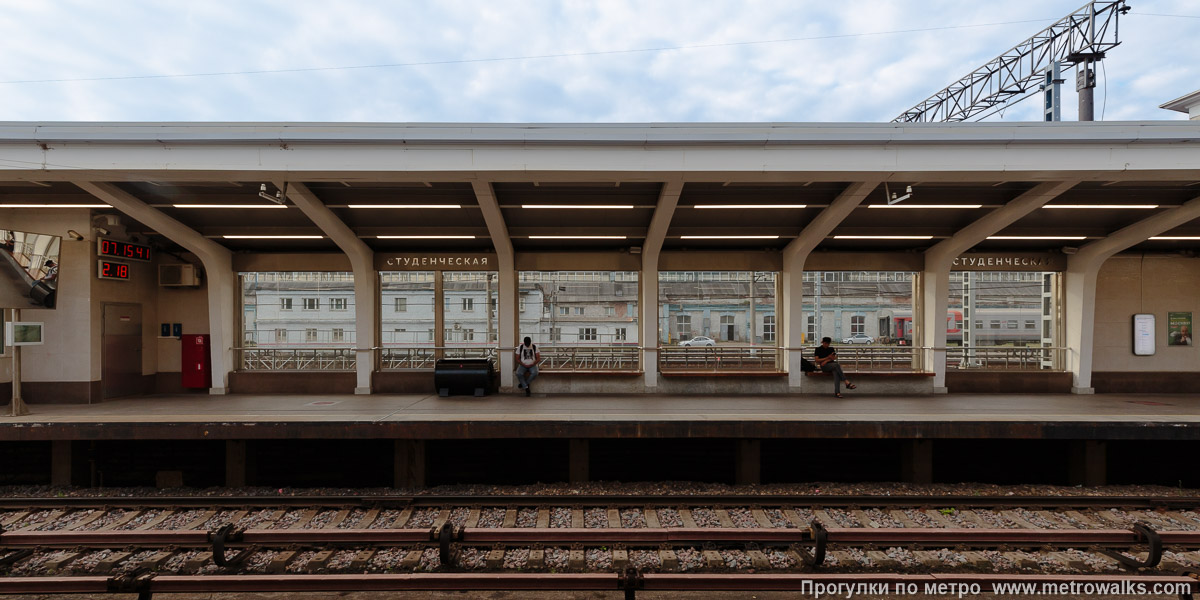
x: 107, y: 269
x: 116, y: 249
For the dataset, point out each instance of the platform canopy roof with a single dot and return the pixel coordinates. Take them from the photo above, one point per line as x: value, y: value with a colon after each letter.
x: 761, y: 182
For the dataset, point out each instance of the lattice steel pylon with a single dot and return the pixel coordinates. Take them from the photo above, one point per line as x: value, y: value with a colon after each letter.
x: 1081, y: 37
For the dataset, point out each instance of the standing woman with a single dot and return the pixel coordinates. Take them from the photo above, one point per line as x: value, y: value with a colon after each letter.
x: 826, y: 359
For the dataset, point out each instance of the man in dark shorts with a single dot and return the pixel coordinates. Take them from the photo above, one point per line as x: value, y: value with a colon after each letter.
x: 826, y: 359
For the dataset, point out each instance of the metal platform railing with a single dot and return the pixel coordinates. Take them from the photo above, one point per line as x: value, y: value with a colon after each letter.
x: 1038, y: 358
x: 394, y: 358
x: 297, y: 359
x: 590, y: 358
x: 855, y: 358
x: 720, y: 358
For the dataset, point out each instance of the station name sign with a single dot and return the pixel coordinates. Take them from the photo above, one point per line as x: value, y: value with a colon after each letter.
x: 436, y: 262
x: 1010, y: 262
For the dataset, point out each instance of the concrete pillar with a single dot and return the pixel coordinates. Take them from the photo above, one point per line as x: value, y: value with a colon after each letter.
x: 668, y: 199
x: 578, y: 457
x: 219, y: 278
x: 366, y: 279
x: 235, y: 463
x: 794, y: 255
x: 1083, y: 269
x: 508, y: 319
x: 1088, y: 462
x: 409, y: 466
x: 748, y: 462
x: 935, y: 279
x: 916, y: 461
x: 60, y: 462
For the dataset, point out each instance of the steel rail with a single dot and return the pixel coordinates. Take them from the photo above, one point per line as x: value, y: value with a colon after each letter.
x: 1171, y: 502
x: 171, y: 584
x: 631, y: 535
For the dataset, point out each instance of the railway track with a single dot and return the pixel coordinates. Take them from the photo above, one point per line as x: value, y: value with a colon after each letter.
x: 158, y: 545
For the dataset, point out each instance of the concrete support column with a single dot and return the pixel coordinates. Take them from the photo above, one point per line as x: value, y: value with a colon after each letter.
x: 916, y: 461
x: 1083, y: 271
x: 748, y: 462
x: 60, y: 462
x: 578, y: 459
x: 508, y: 319
x: 668, y: 199
x: 235, y: 463
x: 219, y: 278
x: 935, y: 282
x: 409, y: 465
x: 794, y: 255
x: 366, y: 279
x: 1088, y: 462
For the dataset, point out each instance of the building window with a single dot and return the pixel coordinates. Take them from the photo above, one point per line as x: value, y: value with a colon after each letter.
x: 401, y: 304
x: 521, y: 304
x: 337, y: 304
x: 310, y: 335
x: 468, y: 304
x: 587, y: 334
x: 769, y: 328
x: 281, y: 335
x: 339, y: 335
x: 683, y: 326
x: 578, y: 310
x: 812, y: 328
x: 610, y: 311
x: 562, y: 310
x: 620, y: 335
x: 858, y: 324
x: 556, y: 334
x: 285, y: 304
x: 312, y: 303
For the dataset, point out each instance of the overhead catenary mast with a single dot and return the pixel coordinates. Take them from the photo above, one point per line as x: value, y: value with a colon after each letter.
x: 1081, y: 38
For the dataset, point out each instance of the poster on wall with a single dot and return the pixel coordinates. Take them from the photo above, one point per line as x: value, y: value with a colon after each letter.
x: 1179, y: 329
x: 1143, y: 334
x: 28, y: 269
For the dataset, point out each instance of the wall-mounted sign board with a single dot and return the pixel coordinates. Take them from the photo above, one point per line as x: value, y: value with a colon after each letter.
x: 1143, y: 334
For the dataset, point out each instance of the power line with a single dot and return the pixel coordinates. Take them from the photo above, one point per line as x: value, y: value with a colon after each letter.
x: 516, y: 58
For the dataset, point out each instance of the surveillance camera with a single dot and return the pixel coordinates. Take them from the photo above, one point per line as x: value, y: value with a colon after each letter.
x: 71, y: 233
x: 908, y: 190
x: 101, y: 230
x: 262, y: 187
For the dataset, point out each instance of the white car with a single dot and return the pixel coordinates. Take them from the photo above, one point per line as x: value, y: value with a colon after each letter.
x: 859, y: 338
x: 698, y: 341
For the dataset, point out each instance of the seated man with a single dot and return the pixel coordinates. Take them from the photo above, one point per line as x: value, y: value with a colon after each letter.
x: 826, y: 359
x: 528, y: 358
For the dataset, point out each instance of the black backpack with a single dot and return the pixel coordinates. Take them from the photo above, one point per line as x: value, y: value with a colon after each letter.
x: 807, y: 365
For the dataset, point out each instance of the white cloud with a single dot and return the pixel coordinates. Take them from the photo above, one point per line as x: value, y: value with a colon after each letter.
x: 860, y: 78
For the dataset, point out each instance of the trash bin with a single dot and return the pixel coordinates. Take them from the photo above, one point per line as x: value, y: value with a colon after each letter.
x: 463, y: 376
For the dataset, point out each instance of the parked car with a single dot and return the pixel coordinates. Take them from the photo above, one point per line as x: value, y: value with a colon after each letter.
x: 698, y: 341
x: 859, y: 338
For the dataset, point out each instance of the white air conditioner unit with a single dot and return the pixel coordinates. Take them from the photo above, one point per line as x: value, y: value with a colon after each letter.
x: 178, y: 276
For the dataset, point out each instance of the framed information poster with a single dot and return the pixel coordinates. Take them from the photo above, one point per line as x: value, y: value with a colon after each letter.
x: 1143, y: 334
x: 1179, y: 329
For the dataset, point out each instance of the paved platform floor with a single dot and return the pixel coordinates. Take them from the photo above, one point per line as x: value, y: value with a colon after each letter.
x: 1165, y: 409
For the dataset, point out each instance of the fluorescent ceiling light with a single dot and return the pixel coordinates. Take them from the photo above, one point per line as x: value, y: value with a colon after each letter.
x: 1097, y: 206
x: 576, y: 237
x: 924, y: 206
x: 735, y: 206
x: 1037, y: 237
x: 229, y: 206
x: 588, y: 206
x: 273, y: 237
x: 1175, y: 237
x: 728, y: 237
x: 424, y: 237
x: 882, y: 237
x: 55, y: 206
x: 404, y: 205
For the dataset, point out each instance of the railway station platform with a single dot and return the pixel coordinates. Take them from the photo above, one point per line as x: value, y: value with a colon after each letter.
x: 420, y: 439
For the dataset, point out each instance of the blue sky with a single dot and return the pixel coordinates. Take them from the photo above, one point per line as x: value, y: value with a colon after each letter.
x: 459, y: 69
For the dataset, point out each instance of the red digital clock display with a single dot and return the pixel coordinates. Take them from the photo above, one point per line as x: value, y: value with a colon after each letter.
x: 118, y: 249
x: 112, y: 270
